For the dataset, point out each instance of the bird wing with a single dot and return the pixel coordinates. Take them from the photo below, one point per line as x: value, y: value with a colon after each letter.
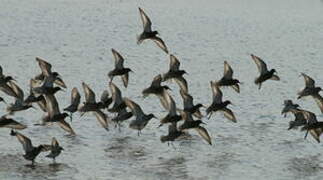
x: 59, y: 81
x: 261, y: 65
x: 8, y: 90
x: 75, y: 97
x: 25, y: 141
x: 182, y: 83
x: 163, y: 102
x: 174, y: 63
x: 135, y: 108
x: 160, y: 43
x: 172, y: 128
x: 170, y: 103
x: 116, y: 93
x: 102, y: 118
x: 229, y: 114
x: 104, y: 96
x: 187, y: 99
x: 156, y: 81
x: 89, y: 94
x: 145, y: 21
x: 319, y: 101
x: 51, y: 105
x: 1, y: 72
x: 228, y: 72
x: 236, y: 87
x: 17, y: 90
x: 44, y: 66
x: 125, y: 79
x: 204, y: 134
x: 309, y: 82
x: 55, y: 142
x: 217, y: 93
x: 118, y: 59
x: 66, y: 126
x: 32, y: 84
x: 186, y: 116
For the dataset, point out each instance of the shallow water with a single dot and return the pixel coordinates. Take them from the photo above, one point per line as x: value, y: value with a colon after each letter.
x: 76, y: 37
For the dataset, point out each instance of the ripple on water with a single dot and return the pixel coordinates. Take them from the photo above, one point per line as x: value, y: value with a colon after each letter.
x: 305, y: 167
x: 13, y: 165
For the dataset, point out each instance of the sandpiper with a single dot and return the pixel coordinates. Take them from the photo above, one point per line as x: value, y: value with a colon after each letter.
x: 75, y: 102
x: 190, y: 123
x: 10, y: 123
x: 175, y: 73
x: 189, y: 106
x: 311, y: 90
x: 148, y: 33
x: 227, y: 79
x: 264, y: 73
x: 172, y: 115
x: 141, y: 120
x: 119, y: 70
x: 31, y: 152
x: 155, y: 87
x: 55, y: 150
x: 219, y: 105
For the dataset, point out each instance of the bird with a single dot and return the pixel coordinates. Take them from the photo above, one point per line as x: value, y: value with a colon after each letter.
x: 190, y: 123
x: 312, y: 126
x: 19, y: 104
x: 75, y: 102
x: 31, y: 152
x: 118, y: 103
x: 55, y: 150
x: 219, y: 105
x: 172, y: 115
x: 175, y: 73
x: 227, y: 79
x: 311, y: 90
x: 4, y: 87
x: 6, y: 122
x: 299, y: 120
x: 189, y: 106
x: 155, y: 87
x: 121, y: 116
x: 288, y: 105
x: 119, y: 70
x: 141, y: 120
x: 54, y: 114
x: 148, y: 33
x: 264, y: 73
x: 46, y: 72
x: 90, y: 105
x: 105, y: 99
x: 173, y: 133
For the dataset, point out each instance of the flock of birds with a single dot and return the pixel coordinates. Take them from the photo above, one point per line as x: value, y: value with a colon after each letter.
x: 44, y: 86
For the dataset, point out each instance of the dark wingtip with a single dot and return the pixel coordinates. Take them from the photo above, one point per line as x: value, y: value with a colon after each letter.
x: 12, y: 132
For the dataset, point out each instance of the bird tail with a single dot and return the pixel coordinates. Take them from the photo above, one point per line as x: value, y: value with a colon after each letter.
x: 13, y: 133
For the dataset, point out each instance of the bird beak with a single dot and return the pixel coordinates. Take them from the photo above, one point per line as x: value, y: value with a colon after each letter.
x: 203, y: 123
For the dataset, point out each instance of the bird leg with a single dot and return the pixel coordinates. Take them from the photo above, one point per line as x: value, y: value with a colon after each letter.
x: 71, y: 116
x: 306, y: 134
x: 210, y: 115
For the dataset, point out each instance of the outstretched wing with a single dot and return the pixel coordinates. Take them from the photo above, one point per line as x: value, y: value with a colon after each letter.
x: 145, y: 21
